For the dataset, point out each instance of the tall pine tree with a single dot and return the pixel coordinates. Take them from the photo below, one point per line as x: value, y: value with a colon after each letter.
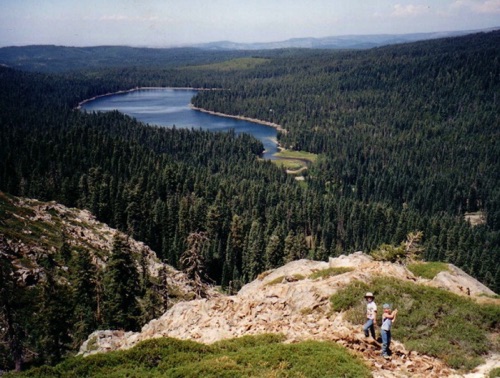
x: 121, y: 286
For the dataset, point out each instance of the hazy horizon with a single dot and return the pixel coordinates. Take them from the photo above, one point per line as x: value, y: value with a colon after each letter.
x: 157, y: 23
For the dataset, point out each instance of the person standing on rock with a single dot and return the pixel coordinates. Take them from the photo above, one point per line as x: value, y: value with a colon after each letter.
x: 388, y: 318
x: 371, y: 315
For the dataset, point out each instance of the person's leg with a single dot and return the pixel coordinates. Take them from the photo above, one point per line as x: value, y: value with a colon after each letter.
x: 367, y: 326
x: 385, y: 342
x: 388, y: 350
x: 372, y: 330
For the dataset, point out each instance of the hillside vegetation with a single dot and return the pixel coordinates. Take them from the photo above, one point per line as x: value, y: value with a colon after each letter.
x: 61, y: 59
x: 250, y: 356
x: 410, y: 124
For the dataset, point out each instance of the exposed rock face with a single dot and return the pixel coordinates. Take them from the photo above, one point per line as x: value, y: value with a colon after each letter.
x: 80, y: 228
x: 459, y: 282
x: 299, y: 308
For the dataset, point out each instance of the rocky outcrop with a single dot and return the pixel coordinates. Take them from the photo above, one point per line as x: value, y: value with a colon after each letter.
x: 31, y: 230
x: 287, y: 301
x: 459, y: 282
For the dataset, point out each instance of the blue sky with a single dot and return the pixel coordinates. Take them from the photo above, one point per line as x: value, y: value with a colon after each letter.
x: 177, y: 22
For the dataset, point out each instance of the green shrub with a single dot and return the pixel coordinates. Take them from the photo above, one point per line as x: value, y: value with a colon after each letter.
x: 427, y: 270
x: 278, y: 280
x: 39, y: 372
x: 249, y: 341
x: 91, y: 366
x: 430, y: 320
x: 330, y: 272
x: 407, y: 251
x: 248, y: 356
x: 495, y: 373
x: 92, y: 343
x: 306, y: 359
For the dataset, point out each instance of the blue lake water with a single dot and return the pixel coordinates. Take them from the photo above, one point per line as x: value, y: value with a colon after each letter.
x: 168, y: 107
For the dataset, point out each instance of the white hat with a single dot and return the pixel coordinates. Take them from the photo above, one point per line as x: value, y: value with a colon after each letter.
x: 369, y: 295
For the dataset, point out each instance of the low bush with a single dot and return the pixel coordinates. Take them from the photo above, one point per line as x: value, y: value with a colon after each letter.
x: 281, y: 279
x: 495, y: 373
x: 427, y: 270
x: 306, y: 359
x: 248, y: 356
x: 330, y: 272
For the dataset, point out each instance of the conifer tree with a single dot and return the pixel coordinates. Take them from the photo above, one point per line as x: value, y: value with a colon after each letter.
x: 496, y: 280
x: 53, y: 315
x: 227, y: 273
x: 163, y: 287
x: 253, y: 262
x: 236, y: 243
x: 84, y: 296
x: 274, y: 250
x: 289, y: 248
x: 121, y: 286
x: 321, y: 253
x: 193, y: 264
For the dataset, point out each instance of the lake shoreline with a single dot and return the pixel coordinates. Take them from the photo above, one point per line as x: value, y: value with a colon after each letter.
x: 241, y: 118
x: 79, y: 106
x: 192, y: 107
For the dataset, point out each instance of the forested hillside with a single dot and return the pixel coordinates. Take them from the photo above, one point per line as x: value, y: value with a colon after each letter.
x: 407, y: 137
x: 414, y: 124
x: 47, y: 58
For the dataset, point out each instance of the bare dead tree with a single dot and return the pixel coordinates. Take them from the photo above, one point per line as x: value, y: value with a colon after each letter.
x: 163, y: 287
x: 193, y: 263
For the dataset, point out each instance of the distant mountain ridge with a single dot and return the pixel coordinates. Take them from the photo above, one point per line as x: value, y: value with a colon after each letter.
x: 337, y: 42
x: 51, y: 58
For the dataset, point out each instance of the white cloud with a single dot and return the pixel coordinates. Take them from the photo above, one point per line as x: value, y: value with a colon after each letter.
x: 479, y: 6
x: 490, y: 6
x: 121, y: 17
x: 409, y: 10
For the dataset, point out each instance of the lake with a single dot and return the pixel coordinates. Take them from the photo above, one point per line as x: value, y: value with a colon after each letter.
x: 168, y: 107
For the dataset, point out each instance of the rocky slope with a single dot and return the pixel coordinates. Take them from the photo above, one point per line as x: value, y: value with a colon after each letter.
x: 31, y: 229
x: 287, y: 301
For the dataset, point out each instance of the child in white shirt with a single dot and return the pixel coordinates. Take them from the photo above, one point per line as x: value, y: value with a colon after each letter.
x: 371, y: 315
